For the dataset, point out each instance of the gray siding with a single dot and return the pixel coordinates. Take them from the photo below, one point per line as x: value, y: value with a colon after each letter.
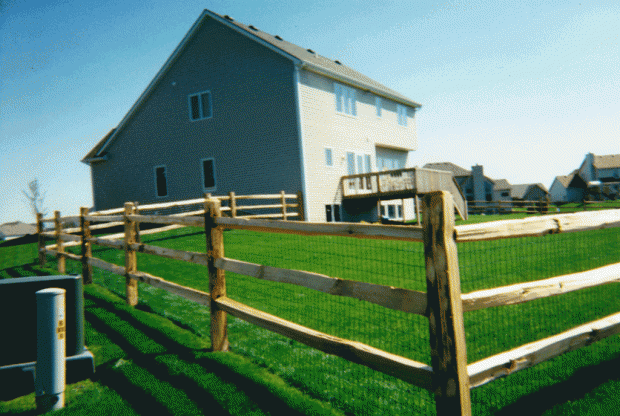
x: 253, y: 134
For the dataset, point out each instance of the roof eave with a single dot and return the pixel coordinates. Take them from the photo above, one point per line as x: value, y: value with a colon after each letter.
x: 90, y: 160
x: 365, y: 87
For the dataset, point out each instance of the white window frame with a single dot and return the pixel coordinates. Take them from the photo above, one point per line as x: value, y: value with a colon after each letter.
x: 365, y: 167
x: 401, y: 111
x: 329, y: 163
x: 378, y: 106
x: 346, y: 102
x: 201, y: 114
x: 155, y: 180
x: 202, y: 172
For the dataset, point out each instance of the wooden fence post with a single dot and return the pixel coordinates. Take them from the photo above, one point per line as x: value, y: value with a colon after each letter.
x: 87, y: 269
x: 137, y: 212
x: 40, y: 240
x: 233, y: 205
x: 447, y: 334
x: 217, y: 278
x: 59, y: 246
x: 300, y: 206
x: 131, y: 285
x: 283, y: 199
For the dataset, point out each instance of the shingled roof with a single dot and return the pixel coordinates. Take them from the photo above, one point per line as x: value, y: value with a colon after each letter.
x: 450, y: 167
x: 17, y: 228
x: 305, y: 58
x: 606, y: 162
x: 565, y: 180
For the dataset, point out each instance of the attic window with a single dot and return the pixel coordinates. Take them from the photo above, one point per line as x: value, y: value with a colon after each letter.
x: 227, y: 17
x: 200, y: 106
x: 278, y: 37
x: 253, y: 27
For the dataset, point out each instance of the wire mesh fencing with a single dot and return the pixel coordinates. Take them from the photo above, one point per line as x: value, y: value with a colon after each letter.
x: 489, y: 264
x: 352, y: 387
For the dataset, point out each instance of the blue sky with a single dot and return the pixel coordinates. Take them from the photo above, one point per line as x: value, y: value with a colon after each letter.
x: 523, y: 88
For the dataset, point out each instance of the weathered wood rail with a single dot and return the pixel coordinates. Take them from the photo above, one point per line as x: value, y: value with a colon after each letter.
x: 450, y: 377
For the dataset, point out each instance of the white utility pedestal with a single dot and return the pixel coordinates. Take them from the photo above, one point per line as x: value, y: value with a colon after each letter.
x: 51, y: 350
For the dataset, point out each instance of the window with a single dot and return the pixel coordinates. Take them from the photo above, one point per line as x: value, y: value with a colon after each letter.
x: 200, y: 106
x: 402, y: 115
x: 329, y: 160
x: 208, y: 174
x: 358, y: 163
x: 378, y: 105
x: 332, y: 213
x: 345, y: 100
x: 161, y: 182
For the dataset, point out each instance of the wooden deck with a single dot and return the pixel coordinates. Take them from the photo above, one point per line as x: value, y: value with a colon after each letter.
x: 402, y: 184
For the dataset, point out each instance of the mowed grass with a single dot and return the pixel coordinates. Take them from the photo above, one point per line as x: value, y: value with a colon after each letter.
x: 147, y: 364
x: 561, y: 386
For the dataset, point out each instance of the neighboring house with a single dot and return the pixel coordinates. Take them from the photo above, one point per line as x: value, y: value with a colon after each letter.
x: 529, y: 192
x: 11, y: 230
x: 562, y: 191
x: 501, y: 190
x: 473, y: 183
x: 237, y: 109
x: 597, y: 177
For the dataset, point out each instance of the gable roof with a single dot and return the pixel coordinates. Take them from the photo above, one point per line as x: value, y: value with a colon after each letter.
x: 520, y: 190
x: 95, y: 150
x: 502, y: 184
x: 450, y: 167
x: 301, y: 57
x: 606, y: 162
x: 565, y: 180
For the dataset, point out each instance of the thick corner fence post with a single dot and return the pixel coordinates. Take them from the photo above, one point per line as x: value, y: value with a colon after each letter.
x: 447, y: 334
x: 217, y: 278
x: 60, y: 249
x: 40, y: 240
x: 131, y: 285
x: 87, y: 269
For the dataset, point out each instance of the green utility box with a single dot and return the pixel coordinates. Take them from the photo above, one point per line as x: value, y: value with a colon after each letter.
x: 18, y: 343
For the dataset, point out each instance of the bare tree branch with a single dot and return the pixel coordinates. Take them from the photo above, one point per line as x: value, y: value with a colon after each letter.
x: 35, y: 196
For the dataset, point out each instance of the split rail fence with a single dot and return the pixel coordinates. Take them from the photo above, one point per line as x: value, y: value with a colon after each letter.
x: 449, y: 377
x: 542, y: 207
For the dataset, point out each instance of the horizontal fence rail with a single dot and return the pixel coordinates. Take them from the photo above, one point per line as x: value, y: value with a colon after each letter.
x: 450, y: 377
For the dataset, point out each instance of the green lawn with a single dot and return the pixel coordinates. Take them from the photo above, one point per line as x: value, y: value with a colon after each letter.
x: 560, y: 385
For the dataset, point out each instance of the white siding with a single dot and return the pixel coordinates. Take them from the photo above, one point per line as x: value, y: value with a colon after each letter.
x: 323, y: 127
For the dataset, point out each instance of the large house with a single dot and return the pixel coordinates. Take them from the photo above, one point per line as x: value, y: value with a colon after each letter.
x: 237, y: 109
x: 598, y: 177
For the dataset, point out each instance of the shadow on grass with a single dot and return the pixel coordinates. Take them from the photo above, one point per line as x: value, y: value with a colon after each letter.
x: 174, y: 357
x: 581, y: 382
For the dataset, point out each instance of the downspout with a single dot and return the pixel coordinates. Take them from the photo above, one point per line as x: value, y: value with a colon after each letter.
x: 300, y: 133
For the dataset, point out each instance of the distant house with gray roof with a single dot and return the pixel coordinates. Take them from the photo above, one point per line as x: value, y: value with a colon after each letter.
x: 473, y: 183
x: 529, y: 192
x: 237, y: 109
x: 597, y: 177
